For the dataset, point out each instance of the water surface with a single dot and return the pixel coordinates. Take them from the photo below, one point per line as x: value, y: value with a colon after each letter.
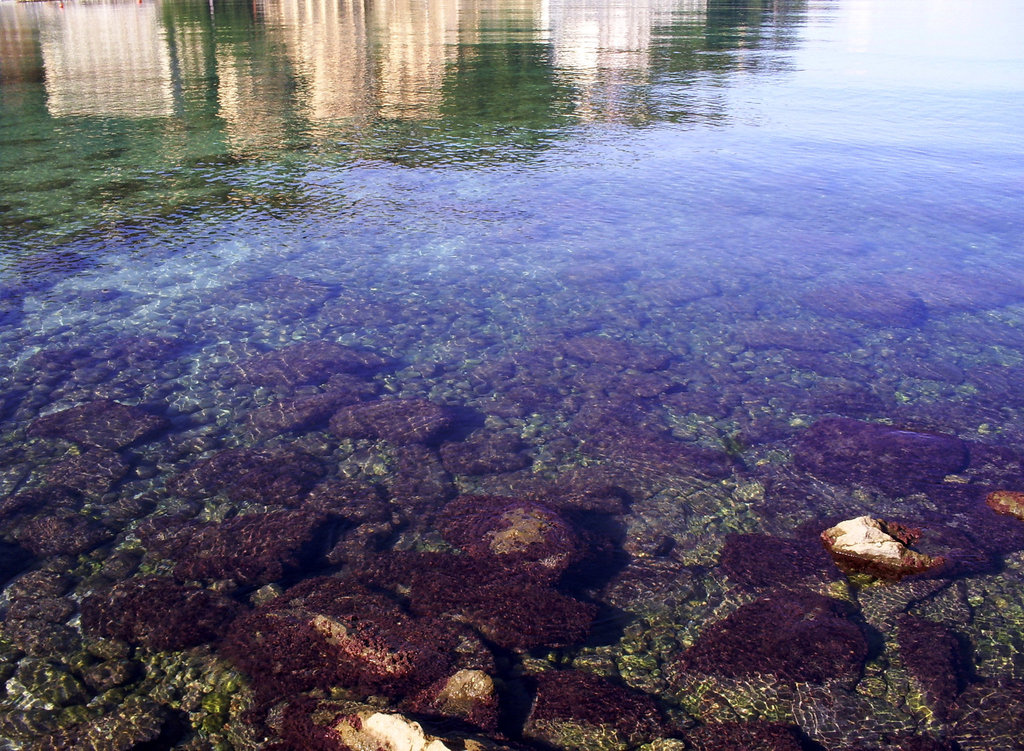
x: 621, y: 302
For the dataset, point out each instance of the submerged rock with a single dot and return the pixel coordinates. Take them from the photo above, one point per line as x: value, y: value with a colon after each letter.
x: 301, y: 413
x: 754, y: 560
x: 484, y: 453
x: 468, y: 695
x: 513, y: 607
x: 580, y: 711
x: 329, y: 631
x: 841, y: 450
x: 932, y: 654
x: 158, y: 614
x: 873, y: 303
x: 398, y: 421
x: 989, y: 715
x: 518, y: 533
x: 253, y: 549
x: 62, y: 532
x: 102, y: 423
x: 600, y: 349
x: 307, y: 363
x: 742, y: 736
x: 872, y: 546
x: 347, y: 726
x: 796, y: 636
x: 91, y: 473
x: 278, y: 477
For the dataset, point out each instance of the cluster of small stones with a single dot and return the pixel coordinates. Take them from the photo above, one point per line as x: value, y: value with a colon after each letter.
x: 334, y: 450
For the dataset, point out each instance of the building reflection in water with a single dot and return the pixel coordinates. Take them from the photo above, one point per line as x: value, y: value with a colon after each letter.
x: 270, y: 70
x: 106, y: 59
x: 391, y: 59
x: 603, y: 48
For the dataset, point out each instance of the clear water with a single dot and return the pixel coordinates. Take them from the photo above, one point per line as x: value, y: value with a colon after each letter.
x: 811, y: 208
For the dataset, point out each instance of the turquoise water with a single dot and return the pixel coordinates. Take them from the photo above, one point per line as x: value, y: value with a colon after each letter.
x: 644, y: 280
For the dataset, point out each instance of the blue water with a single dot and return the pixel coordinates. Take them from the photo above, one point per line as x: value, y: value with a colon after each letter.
x: 807, y: 210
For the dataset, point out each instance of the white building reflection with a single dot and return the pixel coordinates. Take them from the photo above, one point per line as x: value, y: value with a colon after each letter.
x: 602, y: 48
x: 348, y: 60
x: 390, y: 58
x: 101, y: 60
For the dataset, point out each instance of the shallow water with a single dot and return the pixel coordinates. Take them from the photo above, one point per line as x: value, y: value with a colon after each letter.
x: 651, y: 273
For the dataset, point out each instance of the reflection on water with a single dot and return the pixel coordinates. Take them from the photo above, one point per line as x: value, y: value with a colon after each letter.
x: 165, y: 86
x: 101, y: 61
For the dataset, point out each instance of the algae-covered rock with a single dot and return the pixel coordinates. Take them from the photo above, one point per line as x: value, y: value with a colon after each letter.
x: 840, y: 450
x: 796, y: 636
x: 102, y: 423
x: 577, y: 710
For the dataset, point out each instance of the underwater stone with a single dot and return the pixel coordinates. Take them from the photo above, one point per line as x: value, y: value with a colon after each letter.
x: 419, y: 478
x: 353, y: 501
x: 520, y: 533
x: 798, y: 336
x: 998, y: 466
x: 797, y: 636
x: 41, y: 607
x: 600, y: 349
x: 755, y: 560
x: 307, y: 363
x: 989, y: 715
x: 61, y: 532
x: 932, y: 655
x: 319, y: 725
x: 593, y: 489
x: 576, y: 710
x: 289, y: 293
x: 946, y: 291
x: 49, y: 683
x: 841, y: 450
x: 128, y: 726
x: 38, y: 500
x: 13, y: 559
x: 399, y: 421
x: 512, y: 607
x: 158, y: 613
x: 277, y: 477
x: 300, y: 413
x: 1007, y: 502
x: 871, y: 546
x: 92, y: 473
x: 248, y: 550
x: 872, y: 303
x: 468, y: 695
x: 109, y: 674
x: 40, y: 638
x: 102, y: 423
x: 744, y: 736
x: 329, y: 631
x: 484, y: 453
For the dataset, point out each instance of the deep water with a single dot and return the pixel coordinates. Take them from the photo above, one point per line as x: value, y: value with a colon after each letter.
x: 501, y: 363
